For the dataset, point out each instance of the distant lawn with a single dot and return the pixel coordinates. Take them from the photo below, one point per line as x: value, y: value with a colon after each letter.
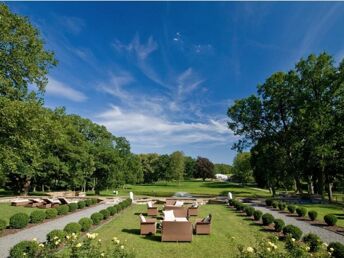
x: 229, y: 231
x: 165, y: 189
x: 6, y: 210
x: 324, y: 209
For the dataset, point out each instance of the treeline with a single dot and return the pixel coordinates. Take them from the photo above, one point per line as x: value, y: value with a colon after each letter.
x: 294, y: 126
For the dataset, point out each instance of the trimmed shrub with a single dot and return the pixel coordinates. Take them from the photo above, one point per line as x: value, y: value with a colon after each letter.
x: 279, y: 225
x: 282, y: 206
x: 267, y: 219
x: 268, y: 202
x: 249, y: 211
x: 119, y: 207
x: 94, y: 201
x: 51, y: 213
x: 30, y: 248
x: 85, y: 224
x: 19, y: 220
x: 115, y: 208
x: 257, y: 215
x: 111, y: 210
x: 72, y: 206
x: 54, y: 235
x: 338, y: 249
x: 293, y: 231
x: 96, y: 218
x: 291, y: 209
x: 88, y: 202
x: 72, y: 227
x: 330, y: 219
x: 301, y: 211
x: 62, y: 209
x: 274, y: 204
x: 37, y: 216
x: 313, y: 241
x: 312, y: 215
x: 81, y: 204
x: 105, y: 213
x: 3, y: 224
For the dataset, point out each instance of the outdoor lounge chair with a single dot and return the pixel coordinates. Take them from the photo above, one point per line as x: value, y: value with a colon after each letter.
x: 38, y: 203
x: 147, y: 226
x: 65, y: 201
x: 152, y: 210
x: 193, y: 210
x: 180, y: 231
x: 203, y: 226
x: 52, y: 202
x: 20, y: 202
x: 178, y: 211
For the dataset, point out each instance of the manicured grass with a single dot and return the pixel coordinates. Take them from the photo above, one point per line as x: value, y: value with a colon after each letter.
x: 324, y: 209
x: 229, y: 231
x: 166, y: 189
x: 6, y: 210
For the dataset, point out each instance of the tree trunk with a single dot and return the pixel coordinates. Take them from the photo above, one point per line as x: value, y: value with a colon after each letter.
x: 298, y: 185
x: 310, y: 185
x: 26, y: 187
x: 329, y: 192
x: 43, y: 189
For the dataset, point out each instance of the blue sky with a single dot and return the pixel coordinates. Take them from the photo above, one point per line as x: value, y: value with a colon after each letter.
x: 163, y: 74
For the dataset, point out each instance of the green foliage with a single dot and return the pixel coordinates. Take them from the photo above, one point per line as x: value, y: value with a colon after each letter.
x: 37, y: 216
x: 313, y: 241
x: 301, y: 211
x: 267, y: 219
x: 249, y: 211
x: 72, y: 207
x: 51, y: 213
x: 268, y: 202
x: 257, y: 215
x: 291, y: 209
x: 96, y: 218
x: 55, y: 235
x: 242, y: 169
x: 88, y: 202
x: 85, y: 224
x: 3, y: 224
x: 282, y: 206
x: 30, y: 248
x: 274, y: 204
x: 278, y: 225
x: 111, y: 210
x: 105, y: 213
x: 176, y: 166
x: 62, y: 209
x: 81, y: 204
x: 338, y: 249
x: 312, y: 215
x: 204, y: 168
x: 293, y: 231
x: 94, y: 201
x: 19, y: 220
x: 330, y: 219
x: 72, y: 227
x: 223, y: 169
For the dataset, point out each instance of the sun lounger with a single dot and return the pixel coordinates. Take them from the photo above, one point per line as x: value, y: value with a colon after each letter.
x: 52, y: 202
x: 39, y: 203
x: 147, y: 226
x: 65, y: 201
x: 20, y: 202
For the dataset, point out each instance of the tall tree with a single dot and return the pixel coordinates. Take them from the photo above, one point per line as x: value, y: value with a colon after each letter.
x: 242, y: 168
x: 176, y: 166
x: 204, y: 168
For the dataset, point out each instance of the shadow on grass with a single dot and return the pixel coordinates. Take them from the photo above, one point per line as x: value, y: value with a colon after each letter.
x: 267, y: 230
x: 257, y: 224
x: 135, y: 231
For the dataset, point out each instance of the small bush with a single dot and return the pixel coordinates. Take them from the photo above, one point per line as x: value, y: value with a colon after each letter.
x: 293, y: 231
x: 19, y: 220
x: 3, y: 224
x: 55, y: 235
x: 105, y: 213
x: 119, y: 207
x: 281, y: 206
x: 249, y: 211
x: 81, y: 204
x: 257, y: 215
x: 312, y: 215
x: 338, y: 249
x: 37, y: 216
x: 313, y: 241
x: 94, y: 201
x: 291, y: 209
x: 330, y: 219
x: 72, y: 206
x: 51, y: 213
x: 268, y: 202
x: 85, y: 224
x: 274, y: 204
x: 115, y: 208
x: 30, y: 248
x: 112, y: 210
x: 72, y: 227
x: 301, y: 211
x: 279, y: 225
x: 267, y: 219
x: 88, y: 202
x: 96, y: 218
x: 62, y: 209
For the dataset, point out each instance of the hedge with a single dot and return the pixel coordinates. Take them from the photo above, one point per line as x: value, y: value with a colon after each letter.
x: 312, y: 215
x: 37, y: 216
x: 105, y: 213
x: 81, y: 204
x: 72, y: 227
x: 267, y: 219
x: 278, y: 225
x: 301, y: 211
x: 51, y: 213
x: 281, y: 206
x: 56, y: 234
x: 330, y: 219
x: 338, y: 249
x: 19, y: 220
x: 72, y: 206
x: 85, y: 224
x: 88, y: 202
x: 112, y: 210
x: 293, y: 231
x: 62, y: 209
x: 30, y: 248
x: 96, y: 218
x: 291, y: 208
x: 268, y: 202
x: 249, y: 211
x: 313, y: 241
x: 257, y: 215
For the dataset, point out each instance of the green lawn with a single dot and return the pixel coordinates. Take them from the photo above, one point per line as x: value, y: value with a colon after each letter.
x: 229, y: 231
x: 6, y: 210
x: 324, y: 209
x: 167, y: 189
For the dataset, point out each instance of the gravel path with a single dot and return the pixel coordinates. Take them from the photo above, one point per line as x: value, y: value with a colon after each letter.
x: 40, y: 231
x: 326, y: 235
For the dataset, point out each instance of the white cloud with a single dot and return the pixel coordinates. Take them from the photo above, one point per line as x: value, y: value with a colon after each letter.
x: 116, y: 84
x: 73, y: 24
x: 59, y: 89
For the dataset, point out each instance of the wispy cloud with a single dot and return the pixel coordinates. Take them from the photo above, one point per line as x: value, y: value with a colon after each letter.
x: 62, y: 90
x: 72, y: 24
